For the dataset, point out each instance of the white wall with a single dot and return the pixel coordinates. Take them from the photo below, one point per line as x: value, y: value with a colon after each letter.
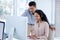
x: 57, y: 18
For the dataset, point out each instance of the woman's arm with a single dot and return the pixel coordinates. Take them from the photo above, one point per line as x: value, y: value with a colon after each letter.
x: 46, y: 33
x: 46, y: 29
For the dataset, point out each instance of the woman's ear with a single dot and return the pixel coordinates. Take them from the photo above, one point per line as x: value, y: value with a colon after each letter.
x: 41, y: 15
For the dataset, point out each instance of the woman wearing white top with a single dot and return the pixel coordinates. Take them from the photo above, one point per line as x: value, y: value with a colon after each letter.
x: 41, y: 28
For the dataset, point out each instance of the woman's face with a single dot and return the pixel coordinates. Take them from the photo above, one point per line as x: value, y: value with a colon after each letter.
x: 38, y: 18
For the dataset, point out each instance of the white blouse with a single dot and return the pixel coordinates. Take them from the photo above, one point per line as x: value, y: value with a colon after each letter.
x: 42, y: 31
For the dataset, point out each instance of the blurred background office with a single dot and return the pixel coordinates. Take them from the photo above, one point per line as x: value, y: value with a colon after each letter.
x: 16, y: 7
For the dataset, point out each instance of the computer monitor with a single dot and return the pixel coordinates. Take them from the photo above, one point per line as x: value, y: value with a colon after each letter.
x: 19, y: 23
x: 2, y: 26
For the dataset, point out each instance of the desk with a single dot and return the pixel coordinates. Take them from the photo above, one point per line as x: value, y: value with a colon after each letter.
x: 13, y: 39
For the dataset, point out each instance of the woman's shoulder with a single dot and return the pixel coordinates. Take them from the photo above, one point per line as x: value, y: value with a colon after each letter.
x: 45, y: 22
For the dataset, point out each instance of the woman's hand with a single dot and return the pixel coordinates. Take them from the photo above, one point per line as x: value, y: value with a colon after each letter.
x: 52, y: 28
x: 33, y: 36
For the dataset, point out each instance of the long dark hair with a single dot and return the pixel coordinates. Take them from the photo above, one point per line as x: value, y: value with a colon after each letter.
x: 42, y: 15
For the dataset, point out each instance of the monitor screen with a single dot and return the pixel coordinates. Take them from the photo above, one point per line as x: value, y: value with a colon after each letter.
x: 19, y: 23
x: 1, y: 30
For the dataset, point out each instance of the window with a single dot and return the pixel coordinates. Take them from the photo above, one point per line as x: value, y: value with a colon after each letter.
x: 21, y: 6
x: 6, y: 7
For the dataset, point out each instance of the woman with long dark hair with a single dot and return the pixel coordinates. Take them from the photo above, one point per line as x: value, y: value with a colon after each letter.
x: 41, y: 28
